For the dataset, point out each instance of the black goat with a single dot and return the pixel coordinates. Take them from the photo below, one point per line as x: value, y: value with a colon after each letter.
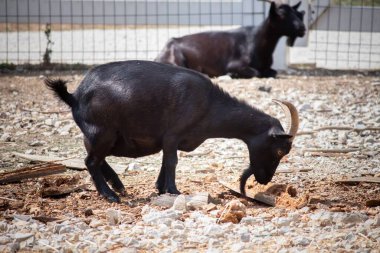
x: 242, y: 53
x: 137, y: 108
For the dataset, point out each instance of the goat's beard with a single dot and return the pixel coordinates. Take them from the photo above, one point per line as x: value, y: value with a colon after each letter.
x: 243, y: 179
x: 290, y: 41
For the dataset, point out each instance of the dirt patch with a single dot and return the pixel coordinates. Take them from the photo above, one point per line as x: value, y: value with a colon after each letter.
x: 29, y: 112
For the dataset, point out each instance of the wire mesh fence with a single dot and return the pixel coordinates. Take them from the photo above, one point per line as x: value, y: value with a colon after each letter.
x: 97, y: 31
x: 343, y: 34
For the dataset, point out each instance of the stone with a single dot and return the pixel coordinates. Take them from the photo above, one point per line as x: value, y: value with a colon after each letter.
x: 156, y: 217
x: 19, y: 237
x: 282, y: 221
x: 113, y: 216
x: 66, y: 229
x: 6, y: 137
x: 301, y: 241
x: 180, y: 203
x: 354, y: 218
x: 214, y: 230
x: 376, y: 223
x: 233, y: 212
x: 133, y: 166
x: 49, y: 122
x: 22, y: 217
x: 248, y: 220
x: 237, y: 247
x: 245, y: 237
x: 3, y: 226
x: 95, y: 223
x: 198, y: 201
x: 4, y: 240
x: 37, y: 143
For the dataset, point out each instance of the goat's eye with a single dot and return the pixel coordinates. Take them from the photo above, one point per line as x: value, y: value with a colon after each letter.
x: 280, y: 153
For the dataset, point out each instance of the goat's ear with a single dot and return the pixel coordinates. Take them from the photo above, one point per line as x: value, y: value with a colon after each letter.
x: 297, y: 5
x: 273, y: 10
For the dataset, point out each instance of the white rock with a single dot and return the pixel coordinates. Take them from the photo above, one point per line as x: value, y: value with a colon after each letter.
x: 376, y: 223
x: 213, y: 245
x: 180, y: 203
x: 305, y: 107
x: 224, y: 78
x: 156, y: 217
x: 37, y: 143
x: 95, y: 223
x: 66, y: 229
x: 178, y: 225
x: 13, y: 247
x: 301, y: 241
x: 324, y: 217
x: 133, y: 166
x: 19, y: 237
x: 214, y: 231
x: 249, y: 220
x: 22, y: 217
x: 237, y: 247
x: 282, y: 221
x: 6, y: 137
x: 245, y: 237
x: 3, y: 226
x: 4, y: 240
x: 113, y: 216
x: 354, y: 218
x: 49, y: 122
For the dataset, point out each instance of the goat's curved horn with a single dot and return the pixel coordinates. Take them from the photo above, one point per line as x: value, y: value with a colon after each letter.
x: 291, y: 117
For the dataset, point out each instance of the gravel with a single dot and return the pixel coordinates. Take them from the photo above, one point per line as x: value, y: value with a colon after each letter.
x: 338, y: 221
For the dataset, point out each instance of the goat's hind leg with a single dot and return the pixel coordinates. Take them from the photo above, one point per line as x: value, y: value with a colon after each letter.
x: 95, y: 162
x: 111, y: 177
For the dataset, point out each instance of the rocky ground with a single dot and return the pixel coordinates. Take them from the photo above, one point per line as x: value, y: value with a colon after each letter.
x: 336, y: 217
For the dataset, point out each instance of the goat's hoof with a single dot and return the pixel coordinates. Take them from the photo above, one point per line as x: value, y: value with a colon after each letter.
x: 112, y: 198
x: 173, y: 191
x: 121, y: 191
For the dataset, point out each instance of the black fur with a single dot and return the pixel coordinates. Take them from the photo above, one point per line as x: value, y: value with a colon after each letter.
x: 137, y: 108
x: 242, y: 53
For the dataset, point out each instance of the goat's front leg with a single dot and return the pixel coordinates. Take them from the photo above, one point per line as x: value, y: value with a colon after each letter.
x: 166, y: 179
x: 241, y: 69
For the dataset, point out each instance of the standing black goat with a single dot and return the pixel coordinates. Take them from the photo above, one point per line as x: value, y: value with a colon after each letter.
x: 137, y: 108
x: 242, y: 53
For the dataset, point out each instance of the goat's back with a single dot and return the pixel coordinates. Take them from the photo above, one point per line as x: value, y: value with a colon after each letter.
x: 141, y: 97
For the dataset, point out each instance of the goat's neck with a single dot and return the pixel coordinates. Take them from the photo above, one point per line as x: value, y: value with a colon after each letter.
x: 266, y: 39
x: 238, y: 121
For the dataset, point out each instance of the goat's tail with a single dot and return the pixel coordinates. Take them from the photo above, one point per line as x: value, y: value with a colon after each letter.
x: 60, y: 89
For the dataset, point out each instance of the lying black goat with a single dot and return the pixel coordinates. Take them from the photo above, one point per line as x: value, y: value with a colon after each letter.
x: 137, y: 108
x: 242, y: 53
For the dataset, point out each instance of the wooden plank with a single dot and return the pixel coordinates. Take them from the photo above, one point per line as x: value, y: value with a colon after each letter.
x: 360, y: 180
x: 55, y: 191
x: 72, y: 163
x: 336, y: 150
x: 285, y: 170
x: 31, y: 172
x: 260, y: 196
